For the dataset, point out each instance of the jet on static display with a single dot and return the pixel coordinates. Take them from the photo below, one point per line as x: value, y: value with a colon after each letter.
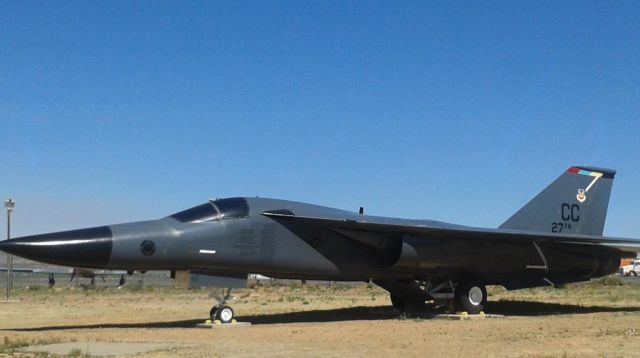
x: 554, y: 239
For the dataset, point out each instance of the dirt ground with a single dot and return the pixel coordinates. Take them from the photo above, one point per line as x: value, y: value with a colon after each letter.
x: 595, y: 319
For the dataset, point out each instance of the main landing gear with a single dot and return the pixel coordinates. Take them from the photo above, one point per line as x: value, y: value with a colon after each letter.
x: 221, y: 311
x: 468, y: 295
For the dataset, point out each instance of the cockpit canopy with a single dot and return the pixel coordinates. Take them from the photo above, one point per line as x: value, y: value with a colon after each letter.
x: 219, y: 209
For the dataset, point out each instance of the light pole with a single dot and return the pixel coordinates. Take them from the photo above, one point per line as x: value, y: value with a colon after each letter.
x: 9, y: 204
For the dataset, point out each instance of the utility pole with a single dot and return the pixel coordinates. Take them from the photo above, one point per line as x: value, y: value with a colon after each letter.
x: 9, y: 204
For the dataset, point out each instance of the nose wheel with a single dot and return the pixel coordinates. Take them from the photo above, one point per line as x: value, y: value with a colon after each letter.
x: 221, y: 311
x: 225, y: 314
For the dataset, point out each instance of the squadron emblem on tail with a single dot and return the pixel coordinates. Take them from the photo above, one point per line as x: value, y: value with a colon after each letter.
x: 582, y: 195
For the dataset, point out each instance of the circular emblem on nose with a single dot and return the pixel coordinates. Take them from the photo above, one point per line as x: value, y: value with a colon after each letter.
x: 148, y: 247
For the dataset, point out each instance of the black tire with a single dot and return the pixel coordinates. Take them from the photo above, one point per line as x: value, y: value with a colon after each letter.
x: 398, y: 303
x: 225, y: 314
x: 471, y: 296
x: 213, y: 312
x: 633, y: 273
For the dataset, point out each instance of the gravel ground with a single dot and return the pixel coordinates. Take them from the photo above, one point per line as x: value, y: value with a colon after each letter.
x: 595, y: 319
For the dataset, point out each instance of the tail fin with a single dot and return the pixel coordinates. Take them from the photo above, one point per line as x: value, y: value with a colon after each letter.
x: 575, y: 203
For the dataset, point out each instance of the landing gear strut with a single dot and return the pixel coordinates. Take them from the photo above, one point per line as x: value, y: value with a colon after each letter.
x: 221, y: 311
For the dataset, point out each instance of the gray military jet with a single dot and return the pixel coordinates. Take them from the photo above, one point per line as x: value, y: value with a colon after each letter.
x: 556, y: 238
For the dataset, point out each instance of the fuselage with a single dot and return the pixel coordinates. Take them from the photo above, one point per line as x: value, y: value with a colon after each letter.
x: 237, y: 238
x: 233, y: 236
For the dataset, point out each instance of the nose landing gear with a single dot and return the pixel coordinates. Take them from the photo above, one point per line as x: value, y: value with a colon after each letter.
x: 221, y: 311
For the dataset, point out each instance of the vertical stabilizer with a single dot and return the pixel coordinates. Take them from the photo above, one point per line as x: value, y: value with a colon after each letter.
x: 575, y: 203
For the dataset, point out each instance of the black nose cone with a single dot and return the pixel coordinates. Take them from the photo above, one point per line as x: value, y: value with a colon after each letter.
x: 77, y: 248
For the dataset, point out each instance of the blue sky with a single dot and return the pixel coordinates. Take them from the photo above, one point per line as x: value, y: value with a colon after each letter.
x: 457, y: 111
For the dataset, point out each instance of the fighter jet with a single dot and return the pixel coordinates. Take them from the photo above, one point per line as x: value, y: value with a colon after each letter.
x: 555, y: 238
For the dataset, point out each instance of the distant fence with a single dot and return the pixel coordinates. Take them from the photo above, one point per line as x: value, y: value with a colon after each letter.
x: 151, y: 279
x: 148, y: 279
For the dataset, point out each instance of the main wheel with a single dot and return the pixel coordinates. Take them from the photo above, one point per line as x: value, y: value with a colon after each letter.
x: 225, y: 314
x: 398, y: 303
x: 471, y: 296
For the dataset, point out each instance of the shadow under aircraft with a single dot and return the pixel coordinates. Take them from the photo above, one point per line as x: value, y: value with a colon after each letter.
x: 556, y: 238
